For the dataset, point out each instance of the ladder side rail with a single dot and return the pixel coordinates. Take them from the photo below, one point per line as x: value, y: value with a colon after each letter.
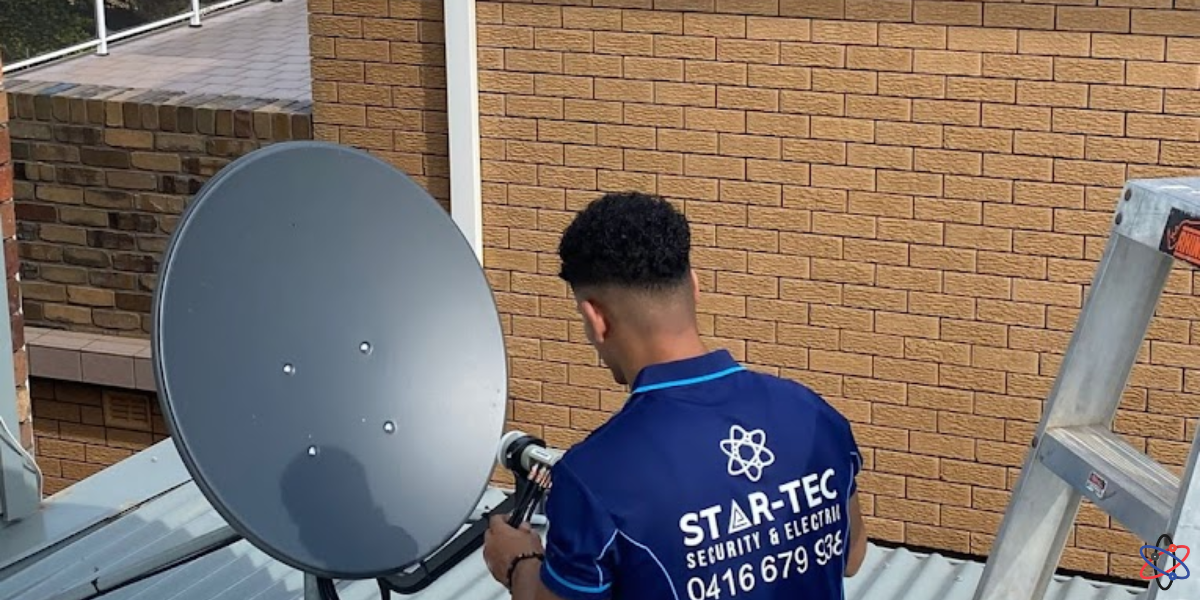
x: 1108, y: 335
x: 1033, y: 534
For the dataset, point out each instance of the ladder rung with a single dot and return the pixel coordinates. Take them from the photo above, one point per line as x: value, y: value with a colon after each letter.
x: 1121, y: 480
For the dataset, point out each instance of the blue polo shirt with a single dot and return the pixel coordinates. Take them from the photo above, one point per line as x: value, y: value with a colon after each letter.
x: 712, y: 482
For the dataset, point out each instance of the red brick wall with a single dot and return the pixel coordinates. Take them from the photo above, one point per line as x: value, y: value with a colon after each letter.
x: 102, y: 176
x: 83, y: 428
x: 900, y: 203
x: 8, y: 232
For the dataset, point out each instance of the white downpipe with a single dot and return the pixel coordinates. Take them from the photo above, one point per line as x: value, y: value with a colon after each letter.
x: 462, y: 108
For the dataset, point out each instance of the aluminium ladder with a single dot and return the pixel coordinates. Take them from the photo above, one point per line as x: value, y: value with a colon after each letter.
x: 1075, y: 453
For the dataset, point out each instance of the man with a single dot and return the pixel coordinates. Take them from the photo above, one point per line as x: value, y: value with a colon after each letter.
x: 712, y: 481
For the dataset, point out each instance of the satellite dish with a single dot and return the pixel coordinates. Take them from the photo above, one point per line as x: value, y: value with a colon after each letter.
x: 329, y: 359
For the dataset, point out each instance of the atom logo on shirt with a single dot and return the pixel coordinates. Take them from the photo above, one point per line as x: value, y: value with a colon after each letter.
x: 748, y: 453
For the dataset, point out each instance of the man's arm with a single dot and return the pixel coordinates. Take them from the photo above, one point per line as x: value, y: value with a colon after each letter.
x: 858, y: 538
x: 527, y: 583
x: 578, y: 562
x: 575, y: 562
x: 857, y: 550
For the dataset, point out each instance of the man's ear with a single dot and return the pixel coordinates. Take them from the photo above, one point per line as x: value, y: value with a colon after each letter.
x: 695, y: 287
x: 594, y: 319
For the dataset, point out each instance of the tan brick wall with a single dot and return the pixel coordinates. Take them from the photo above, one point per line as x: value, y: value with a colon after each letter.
x: 82, y: 428
x: 899, y: 203
x: 8, y: 232
x: 102, y: 175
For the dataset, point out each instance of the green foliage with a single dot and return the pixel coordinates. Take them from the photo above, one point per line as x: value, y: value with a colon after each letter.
x: 30, y: 28
x: 33, y: 27
x: 153, y: 10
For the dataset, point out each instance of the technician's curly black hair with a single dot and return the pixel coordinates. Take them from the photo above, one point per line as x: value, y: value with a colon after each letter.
x: 631, y: 240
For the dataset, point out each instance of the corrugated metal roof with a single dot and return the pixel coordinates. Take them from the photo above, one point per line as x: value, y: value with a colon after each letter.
x: 898, y: 574
x: 173, y: 510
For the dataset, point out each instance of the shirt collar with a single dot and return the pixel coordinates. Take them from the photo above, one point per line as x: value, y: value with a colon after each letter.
x: 688, y: 371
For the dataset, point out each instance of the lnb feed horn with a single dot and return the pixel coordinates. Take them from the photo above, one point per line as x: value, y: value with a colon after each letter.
x: 519, y: 452
x: 330, y: 361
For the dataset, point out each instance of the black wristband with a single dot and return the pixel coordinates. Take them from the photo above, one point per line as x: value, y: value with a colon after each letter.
x: 512, y: 567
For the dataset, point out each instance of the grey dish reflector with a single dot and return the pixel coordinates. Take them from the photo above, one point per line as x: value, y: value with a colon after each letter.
x: 329, y: 359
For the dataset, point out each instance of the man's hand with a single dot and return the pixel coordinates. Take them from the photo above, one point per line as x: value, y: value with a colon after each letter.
x: 502, y: 543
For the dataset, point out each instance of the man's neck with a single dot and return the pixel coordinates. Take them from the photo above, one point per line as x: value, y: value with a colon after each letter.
x: 664, y: 351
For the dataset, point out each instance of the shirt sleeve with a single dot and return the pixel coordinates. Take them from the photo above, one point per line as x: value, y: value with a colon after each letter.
x: 855, y: 458
x: 579, y: 543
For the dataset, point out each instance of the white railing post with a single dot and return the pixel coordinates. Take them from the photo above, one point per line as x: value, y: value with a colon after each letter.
x: 101, y: 29
x: 195, y: 21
